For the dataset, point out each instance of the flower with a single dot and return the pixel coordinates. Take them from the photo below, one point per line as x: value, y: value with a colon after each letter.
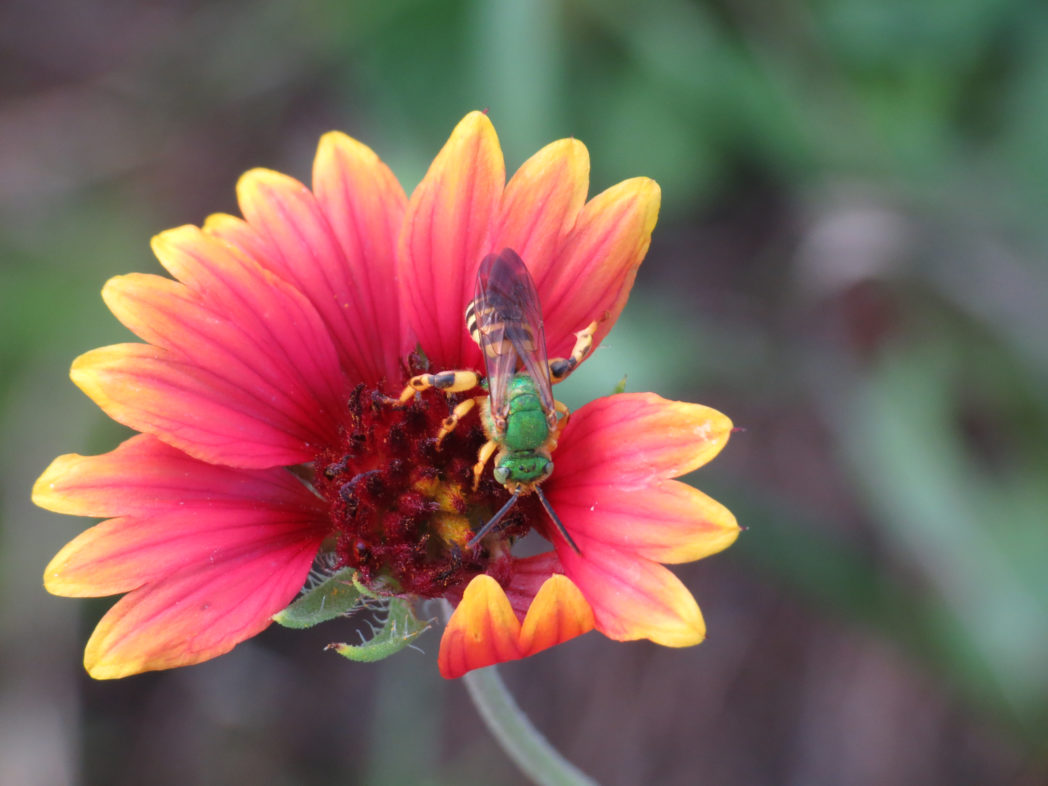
x: 270, y: 438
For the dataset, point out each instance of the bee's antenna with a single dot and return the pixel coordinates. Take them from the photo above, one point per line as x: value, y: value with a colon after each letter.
x: 494, y: 520
x: 556, y: 520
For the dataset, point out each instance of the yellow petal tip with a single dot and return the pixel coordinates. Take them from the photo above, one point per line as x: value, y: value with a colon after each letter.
x: 254, y: 181
x: 690, y: 631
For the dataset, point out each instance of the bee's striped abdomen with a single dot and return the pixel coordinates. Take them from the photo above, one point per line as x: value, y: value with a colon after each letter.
x: 497, y: 329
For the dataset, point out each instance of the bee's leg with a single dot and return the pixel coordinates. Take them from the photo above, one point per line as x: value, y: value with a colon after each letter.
x: 483, y: 456
x: 557, y: 418
x: 448, y: 381
x: 558, y: 423
x: 453, y: 419
x: 559, y: 368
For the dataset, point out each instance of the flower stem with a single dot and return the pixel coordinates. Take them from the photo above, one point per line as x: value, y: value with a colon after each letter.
x: 518, y: 737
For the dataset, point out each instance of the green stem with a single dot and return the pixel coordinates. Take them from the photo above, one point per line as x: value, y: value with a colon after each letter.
x: 518, y: 737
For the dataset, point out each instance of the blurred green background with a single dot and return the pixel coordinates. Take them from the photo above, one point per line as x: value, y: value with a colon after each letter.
x: 850, y: 262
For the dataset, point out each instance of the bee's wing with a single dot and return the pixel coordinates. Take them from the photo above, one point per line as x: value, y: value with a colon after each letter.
x: 505, y: 319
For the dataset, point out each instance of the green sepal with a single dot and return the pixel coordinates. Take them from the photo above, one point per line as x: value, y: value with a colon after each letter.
x: 337, y: 596
x: 620, y: 386
x: 399, y: 629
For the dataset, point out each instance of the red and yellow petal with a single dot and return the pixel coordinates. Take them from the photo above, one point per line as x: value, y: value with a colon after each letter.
x: 633, y: 598
x: 268, y: 320
x: 300, y: 382
x: 144, y: 475
x: 633, y: 439
x: 305, y: 250
x: 664, y: 521
x: 541, y: 204
x: 447, y: 230
x: 364, y: 205
x: 171, y: 512
x: 199, y: 612
x: 529, y: 574
x: 241, y: 236
x: 206, y: 415
x: 558, y: 613
x: 598, y: 261
x: 483, y: 630
x: 240, y: 363
x: 123, y: 554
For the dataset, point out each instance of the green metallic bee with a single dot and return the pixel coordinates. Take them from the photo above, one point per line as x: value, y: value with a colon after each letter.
x: 521, y: 419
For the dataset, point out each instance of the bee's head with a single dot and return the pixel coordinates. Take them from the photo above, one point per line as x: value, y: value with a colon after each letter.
x: 527, y: 467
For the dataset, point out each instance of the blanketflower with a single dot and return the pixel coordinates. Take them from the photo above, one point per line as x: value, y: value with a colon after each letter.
x: 269, y: 435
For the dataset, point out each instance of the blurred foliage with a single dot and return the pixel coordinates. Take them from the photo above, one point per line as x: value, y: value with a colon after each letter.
x: 850, y: 263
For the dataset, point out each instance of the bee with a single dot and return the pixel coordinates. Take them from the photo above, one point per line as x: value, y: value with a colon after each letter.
x: 521, y: 418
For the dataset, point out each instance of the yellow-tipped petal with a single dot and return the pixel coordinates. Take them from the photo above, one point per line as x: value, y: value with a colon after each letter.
x: 200, y: 612
x: 558, y: 613
x: 597, y: 262
x: 634, y: 598
x: 482, y: 630
x: 665, y: 521
x: 364, y: 205
x: 636, y: 438
x: 541, y: 204
x: 447, y: 230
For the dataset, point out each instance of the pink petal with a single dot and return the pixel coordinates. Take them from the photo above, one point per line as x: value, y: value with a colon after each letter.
x: 241, y: 236
x: 290, y: 371
x: 206, y: 415
x: 447, y: 230
x: 634, y: 598
x: 241, y: 362
x: 665, y: 521
x: 633, y: 439
x: 303, y: 248
x: 529, y: 574
x: 201, y: 611
x: 364, y: 205
x: 144, y: 475
x: 174, y: 511
x: 596, y: 265
x: 482, y: 630
x: 559, y: 613
x: 267, y: 320
x: 541, y: 203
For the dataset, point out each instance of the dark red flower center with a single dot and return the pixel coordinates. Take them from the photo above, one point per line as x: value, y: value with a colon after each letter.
x: 403, y: 508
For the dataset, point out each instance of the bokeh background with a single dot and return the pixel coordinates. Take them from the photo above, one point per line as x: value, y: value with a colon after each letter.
x: 850, y: 262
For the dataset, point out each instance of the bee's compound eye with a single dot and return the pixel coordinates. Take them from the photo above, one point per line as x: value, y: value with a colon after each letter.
x: 541, y: 470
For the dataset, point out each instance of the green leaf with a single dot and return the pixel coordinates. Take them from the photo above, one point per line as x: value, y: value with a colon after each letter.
x: 401, y: 627
x: 620, y: 386
x: 339, y: 595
